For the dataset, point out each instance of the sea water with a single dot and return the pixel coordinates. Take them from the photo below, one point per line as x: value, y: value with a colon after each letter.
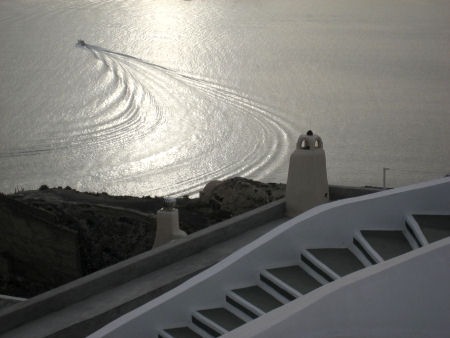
x: 167, y: 95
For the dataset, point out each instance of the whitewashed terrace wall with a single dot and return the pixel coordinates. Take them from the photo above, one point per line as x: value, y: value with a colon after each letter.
x: 329, y: 225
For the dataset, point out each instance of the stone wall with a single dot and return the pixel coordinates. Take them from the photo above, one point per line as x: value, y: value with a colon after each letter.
x: 35, y: 250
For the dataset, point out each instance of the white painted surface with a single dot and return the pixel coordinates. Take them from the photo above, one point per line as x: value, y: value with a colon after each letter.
x: 405, y: 297
x: 329, y: 225
x: 167, y: 227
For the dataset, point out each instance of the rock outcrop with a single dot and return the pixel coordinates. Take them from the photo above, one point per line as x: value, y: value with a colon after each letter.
x: 238, y: 195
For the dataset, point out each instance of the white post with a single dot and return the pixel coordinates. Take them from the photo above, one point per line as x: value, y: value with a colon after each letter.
x: 384, y: 176
x: 167, y: 224
x: 307, y: 184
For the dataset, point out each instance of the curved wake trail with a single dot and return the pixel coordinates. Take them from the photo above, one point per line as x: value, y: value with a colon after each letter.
x: 157, y: 130
x: 121, y: 118
x: 266, y: 138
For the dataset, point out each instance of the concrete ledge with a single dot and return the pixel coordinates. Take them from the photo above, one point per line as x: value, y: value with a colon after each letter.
x: 8, y: 300
x: 82, y: 318
x: 135, y: 267
x: 85, y: 326
x: 338, y: 192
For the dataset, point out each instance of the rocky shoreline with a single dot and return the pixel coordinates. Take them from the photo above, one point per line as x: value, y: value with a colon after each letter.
x: 228, y: 198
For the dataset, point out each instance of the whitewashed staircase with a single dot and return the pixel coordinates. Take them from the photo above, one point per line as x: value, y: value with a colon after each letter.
x: 318, y: 266
x: 308, y: 252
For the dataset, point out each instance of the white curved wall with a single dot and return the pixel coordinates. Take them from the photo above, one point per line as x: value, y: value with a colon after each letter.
x: 328, y: 225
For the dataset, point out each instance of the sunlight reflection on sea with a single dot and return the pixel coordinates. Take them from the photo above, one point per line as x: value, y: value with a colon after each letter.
x: 167, y: 95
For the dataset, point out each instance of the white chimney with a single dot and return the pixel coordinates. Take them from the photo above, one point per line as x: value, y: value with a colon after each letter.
x: 307, y: 184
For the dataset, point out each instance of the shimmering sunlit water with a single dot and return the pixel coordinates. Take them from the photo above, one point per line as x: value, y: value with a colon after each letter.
x: 169, y: 94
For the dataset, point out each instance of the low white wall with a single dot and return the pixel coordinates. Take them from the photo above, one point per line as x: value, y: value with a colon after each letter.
x: 405, y: 297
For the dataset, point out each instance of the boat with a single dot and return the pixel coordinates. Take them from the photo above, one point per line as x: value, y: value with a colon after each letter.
x: 369, y: 266
x: 81, y: 43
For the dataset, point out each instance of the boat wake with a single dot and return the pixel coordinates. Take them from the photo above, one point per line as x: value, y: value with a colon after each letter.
x: 168, y: 131
x: 250, y: 139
